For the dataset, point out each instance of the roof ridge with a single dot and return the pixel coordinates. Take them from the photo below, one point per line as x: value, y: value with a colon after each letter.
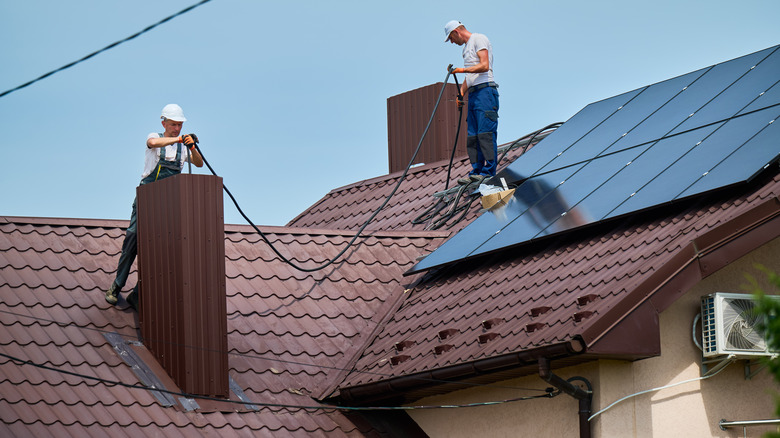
x: 276, y: 229
x: 395, y: 175
x: 61, y: 221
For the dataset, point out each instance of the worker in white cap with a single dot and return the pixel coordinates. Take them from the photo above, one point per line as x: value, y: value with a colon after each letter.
x: 166, y: 153
x: 482, y: 91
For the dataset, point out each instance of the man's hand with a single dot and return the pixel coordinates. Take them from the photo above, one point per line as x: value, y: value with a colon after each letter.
x: 460, y: 102
x: 189, y: 140
x: 455, y: 70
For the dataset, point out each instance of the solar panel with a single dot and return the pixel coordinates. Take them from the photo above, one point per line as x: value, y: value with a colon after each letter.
x: 658, y: 144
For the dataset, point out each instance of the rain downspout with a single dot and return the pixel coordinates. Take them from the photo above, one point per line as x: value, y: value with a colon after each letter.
x: 585, y: 398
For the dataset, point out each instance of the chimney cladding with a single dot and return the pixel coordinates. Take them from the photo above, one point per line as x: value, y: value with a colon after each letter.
x: 181, y: 271
x: 408, y: 114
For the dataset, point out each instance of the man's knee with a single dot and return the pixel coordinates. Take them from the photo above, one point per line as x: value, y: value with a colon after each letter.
x: 472, y: 145
x: 487, y: 144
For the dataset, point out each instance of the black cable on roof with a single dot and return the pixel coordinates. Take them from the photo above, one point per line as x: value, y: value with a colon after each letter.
x: 432, y: 211
x: 278, y: 359
x: 108, y: 47
x: 549, y: 393
x: 363, y: 227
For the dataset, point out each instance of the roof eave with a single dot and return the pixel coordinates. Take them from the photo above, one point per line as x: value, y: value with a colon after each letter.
x: 700, y: 258
x: 635, y: 315
x: 402, y: 389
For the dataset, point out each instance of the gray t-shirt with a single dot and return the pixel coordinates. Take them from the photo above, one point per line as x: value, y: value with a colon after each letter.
x: 476, y: 43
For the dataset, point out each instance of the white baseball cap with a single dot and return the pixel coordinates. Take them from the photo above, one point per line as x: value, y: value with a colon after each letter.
x: 449, y: 27
x: 173, y: 112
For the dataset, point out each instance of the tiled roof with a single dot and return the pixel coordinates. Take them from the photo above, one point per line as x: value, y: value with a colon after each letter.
x: 348, y: 207
x: 290, y: 334
x: 586, y: 293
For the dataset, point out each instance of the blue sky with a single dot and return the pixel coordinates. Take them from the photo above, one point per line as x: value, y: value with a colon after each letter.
x: 289, y: 98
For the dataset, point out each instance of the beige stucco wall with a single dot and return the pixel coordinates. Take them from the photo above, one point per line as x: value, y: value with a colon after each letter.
x: 689, y: 410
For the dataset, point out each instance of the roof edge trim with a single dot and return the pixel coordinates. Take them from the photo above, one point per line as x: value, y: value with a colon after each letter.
x: 700, y: 258
x: 386, y: 389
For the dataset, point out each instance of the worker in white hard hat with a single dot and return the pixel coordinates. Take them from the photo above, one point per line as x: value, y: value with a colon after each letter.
x: 166, y: 153
x: 482, y: 91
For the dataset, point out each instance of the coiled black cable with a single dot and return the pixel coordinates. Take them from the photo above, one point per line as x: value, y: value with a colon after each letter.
x: 441, y: 203
x: 531, y: 137
x: 435, y: 225
x: 363, y: 227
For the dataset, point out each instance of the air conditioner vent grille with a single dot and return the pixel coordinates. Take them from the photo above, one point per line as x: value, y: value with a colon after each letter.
x: 730, y: 325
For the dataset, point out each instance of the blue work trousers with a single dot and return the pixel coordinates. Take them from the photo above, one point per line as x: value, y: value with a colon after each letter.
x: 482, y: 121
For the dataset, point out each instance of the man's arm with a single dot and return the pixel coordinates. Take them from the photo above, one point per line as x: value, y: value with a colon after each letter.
x: 195, y: 158
x: 481, y: 67
x: 161, y: 142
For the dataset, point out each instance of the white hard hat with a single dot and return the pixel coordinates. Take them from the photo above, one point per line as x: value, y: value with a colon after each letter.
x: 449, y: 27
x: 173, y: 112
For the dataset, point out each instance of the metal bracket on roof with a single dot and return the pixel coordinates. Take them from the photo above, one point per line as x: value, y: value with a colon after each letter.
x: 240, y: 394
x: 189, y: 404
x: 139, y: 367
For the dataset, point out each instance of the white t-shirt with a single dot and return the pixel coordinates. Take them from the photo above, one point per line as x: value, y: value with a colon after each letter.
x: 152, y: 155
x: 476, y: 43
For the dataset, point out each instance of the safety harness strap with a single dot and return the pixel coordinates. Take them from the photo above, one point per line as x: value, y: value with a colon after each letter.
x: 162, y: 162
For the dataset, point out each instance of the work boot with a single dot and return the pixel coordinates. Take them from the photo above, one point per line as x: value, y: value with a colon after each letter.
x: 464, y: 181
x: 477, y: 178
x: 112, y: 294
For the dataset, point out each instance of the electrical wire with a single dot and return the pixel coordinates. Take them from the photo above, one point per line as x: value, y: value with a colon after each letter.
x: 368, y: 221
x: 587, y: 161
x: 457, y: 130
x: 653, y: 390
x: 275, y: 359
x: 454, y: 208
x: 108, y: 47
x: 441, y: 203
x: 531, y: 137
x: 465, y: 209
x: 548, y: 394
x: 655, y: 140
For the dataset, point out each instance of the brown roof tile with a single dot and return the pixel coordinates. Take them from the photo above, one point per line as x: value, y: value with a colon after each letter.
x: 348, y: 207
x: 290, y: 334
x: 556, y: 292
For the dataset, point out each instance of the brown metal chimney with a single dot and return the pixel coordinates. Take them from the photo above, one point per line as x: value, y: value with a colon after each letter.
x: 181, y: 271
x: 408, y: 114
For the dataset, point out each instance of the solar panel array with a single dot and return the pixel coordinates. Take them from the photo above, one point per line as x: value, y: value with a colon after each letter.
x: 685, y: 136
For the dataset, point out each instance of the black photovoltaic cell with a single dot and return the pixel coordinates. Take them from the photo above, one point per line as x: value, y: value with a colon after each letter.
x: 701, y: 131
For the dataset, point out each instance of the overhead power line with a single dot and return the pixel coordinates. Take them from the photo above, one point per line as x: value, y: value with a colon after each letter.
x: 108, y: 47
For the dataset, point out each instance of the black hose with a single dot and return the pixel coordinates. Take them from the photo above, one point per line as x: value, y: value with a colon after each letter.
x: 532, y: 136
x: 363, y: 227
x: 457, y: 132
x: 430, y: 212
x: 455, y: 209
x: 465, y: 210
x: 452, y: 209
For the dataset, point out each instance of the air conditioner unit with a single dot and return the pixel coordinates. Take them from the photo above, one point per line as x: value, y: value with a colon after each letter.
x: 730, y: 326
